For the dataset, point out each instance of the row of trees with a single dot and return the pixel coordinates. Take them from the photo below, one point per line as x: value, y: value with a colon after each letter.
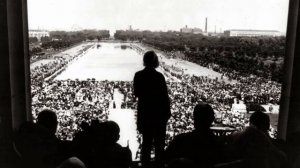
x: 36, y: 40
x: 129, y: 35
x: 242, y: 54
x: 75, y: 36
x: 62, y: 39
x: 169, y: 41
x: 83, y: 35
x: 35, y: 50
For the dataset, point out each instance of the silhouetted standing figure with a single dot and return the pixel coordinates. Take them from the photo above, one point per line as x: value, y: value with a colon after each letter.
x: 153, y: 109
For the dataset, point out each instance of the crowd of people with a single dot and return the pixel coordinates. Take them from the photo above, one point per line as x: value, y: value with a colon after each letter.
x: 77, y: 101
x: 74, y: 101
x: 54, y: 66
x: 220, y: 94
x: 95, y: 145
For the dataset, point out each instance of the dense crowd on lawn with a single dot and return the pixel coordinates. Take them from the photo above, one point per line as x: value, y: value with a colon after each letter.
x: 54, y: 64
x: 74, y: 102
x: 77, y: 101
x: 43, y: 71
x: 184, y: 95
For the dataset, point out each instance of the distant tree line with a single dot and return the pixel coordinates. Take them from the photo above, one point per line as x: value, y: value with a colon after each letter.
x: 262, y: 46
x: 77, y: 36
x: 255, y: 55
x: 36, y: 40
x: 35, y: 50
x: 129, y: 35
x: 62, y: 39
x: 33, y: 39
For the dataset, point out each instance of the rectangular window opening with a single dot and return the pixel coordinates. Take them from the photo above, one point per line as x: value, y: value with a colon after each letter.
x: 84, y: 54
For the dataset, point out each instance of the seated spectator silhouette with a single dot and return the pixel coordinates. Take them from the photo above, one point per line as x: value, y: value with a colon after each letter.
x: 37, y: 143
x: 105, y: 151
x: 82, y: 142
x: 254, y: 145
x: 72, y: 162
x: 200, y: 145
x: 34, y: 145
x: 85, y: 142
x: 48, y: 120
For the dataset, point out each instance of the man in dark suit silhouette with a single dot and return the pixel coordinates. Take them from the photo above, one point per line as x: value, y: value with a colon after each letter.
x: 153, y: 109
x: 199, y: 146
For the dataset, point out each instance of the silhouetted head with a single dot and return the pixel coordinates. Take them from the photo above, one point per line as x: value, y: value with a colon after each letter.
x: 48, y: 119
x: 72, y: 162
x: 150, y: 59
x: 111, y: 131
x: 260, y: 120
x: 203, y: 116
x: 32, y: 144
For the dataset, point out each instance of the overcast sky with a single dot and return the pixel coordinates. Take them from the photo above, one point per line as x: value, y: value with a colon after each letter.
x: 158, y: 14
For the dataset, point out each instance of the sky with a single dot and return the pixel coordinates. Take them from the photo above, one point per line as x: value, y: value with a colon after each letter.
x: 158, y: 15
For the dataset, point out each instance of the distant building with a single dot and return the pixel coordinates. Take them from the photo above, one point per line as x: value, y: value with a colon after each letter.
x: 252, y: 33
x: 205, y: 25
x: 186, y: 30
x: 38, y: 34
x: 197, y: 31
x: 191, y: 30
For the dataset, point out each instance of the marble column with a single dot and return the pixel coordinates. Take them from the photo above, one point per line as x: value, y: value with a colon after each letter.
x: 14, y: 75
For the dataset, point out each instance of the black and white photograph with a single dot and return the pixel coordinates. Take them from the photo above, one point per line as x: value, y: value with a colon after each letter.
x: 149, y: 84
